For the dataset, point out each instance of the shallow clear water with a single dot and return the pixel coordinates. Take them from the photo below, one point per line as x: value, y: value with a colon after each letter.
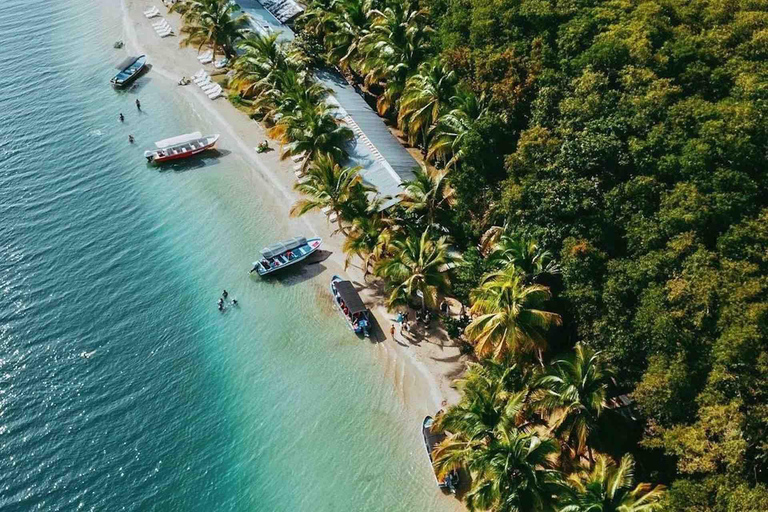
x: 274, y: 406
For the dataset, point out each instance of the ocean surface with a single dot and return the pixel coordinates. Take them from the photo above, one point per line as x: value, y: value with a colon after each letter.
x: 271, y: 406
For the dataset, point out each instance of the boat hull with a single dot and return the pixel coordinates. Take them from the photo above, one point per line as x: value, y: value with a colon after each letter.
x: 313, y: 243
x: 119, y: 82
x: 450, y: 483
x: 171, y: 153
x: 365, y: 332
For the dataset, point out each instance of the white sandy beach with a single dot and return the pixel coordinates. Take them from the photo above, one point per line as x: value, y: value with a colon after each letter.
x: 422, y: 370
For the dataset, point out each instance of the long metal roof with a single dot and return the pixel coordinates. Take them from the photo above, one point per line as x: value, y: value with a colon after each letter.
x: 386, y: 163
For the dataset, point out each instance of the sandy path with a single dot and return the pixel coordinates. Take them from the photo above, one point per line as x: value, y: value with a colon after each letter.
x: 421, y: 368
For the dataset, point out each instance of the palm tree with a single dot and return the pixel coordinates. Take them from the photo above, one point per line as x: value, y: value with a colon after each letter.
x: 492, y: 395
x: 424, y: 97
x: 313, y: 132
x: 349, y: 19
x: 429, y: 195
x: 417, y: 264
x: 510, y: 318
x: 330, y: 185
x: 447, y: 136
x: 609, y: 488
x: 214, y: 23
x: 394, y: 46
x: 573, y: 396
x: 262, y: 64
x: 367, y: 239
x: 316, y: 19
x: 524, y: 253
x: 512, y: 471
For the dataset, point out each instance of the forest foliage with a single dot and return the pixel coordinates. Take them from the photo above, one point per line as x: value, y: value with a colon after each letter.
x: 629, y: 138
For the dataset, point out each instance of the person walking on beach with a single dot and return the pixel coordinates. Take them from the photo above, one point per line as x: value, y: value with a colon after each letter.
x: 121, y: 117
x: 138, y: 104
x: 392, y: 331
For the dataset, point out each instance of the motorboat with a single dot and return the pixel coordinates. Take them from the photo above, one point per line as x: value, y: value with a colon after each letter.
x: 130, y: 71
x: 182, y: 146
x: 431, y: 440
x: 351, y: 306
x: 284, y: 254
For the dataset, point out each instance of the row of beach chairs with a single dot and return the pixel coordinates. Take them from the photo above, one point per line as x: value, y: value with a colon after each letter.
x: 209, y: 87
x: 163, y: 28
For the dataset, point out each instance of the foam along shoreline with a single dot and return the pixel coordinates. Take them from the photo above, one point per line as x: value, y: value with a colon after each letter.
x: 423, y: 371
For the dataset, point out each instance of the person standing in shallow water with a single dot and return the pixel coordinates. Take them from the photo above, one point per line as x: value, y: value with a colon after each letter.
x: 138, y: 104
x: 121, y: 117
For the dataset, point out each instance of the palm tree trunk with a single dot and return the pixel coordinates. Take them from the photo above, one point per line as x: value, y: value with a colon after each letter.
x: 343, y: 231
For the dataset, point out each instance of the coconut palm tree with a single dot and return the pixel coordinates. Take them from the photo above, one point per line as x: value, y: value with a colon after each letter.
x: 572, y: 396
x: 262, y: 62
x: 491, y: 395
x: 524, y: 253
x: 609, y: 488
x: 396, y: 43
x: 509, y: 315
x: 313, y: 132
x: 417, y: 264
x: 425, y: 96
x: 350, y: 22
x: 447, y: 136
x: 317, y: 18
x: 329, y: 185
x: 215, y: 23
x: 368, y: 239
x: 429, y: 195
x: 511, y: 471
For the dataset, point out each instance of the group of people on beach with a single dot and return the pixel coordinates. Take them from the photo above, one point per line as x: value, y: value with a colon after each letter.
x: 223, y: 298
x: 121, y: 117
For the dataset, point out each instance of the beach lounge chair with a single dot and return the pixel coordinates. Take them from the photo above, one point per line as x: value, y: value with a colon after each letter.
x: 166, y: 33
x: 205, y: 55
x: 206, y: 80
x: 160, y: 23
x: 221, y: 63
x: 209, y: 87
x: 206, y: 60
x: 216, y: 94
x: 163, y: 29
x: 152, y: 12
x: 199, y: 74
x: 212, y: 89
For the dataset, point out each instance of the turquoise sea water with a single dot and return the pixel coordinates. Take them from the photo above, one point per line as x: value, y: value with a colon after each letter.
x: 274, y: 406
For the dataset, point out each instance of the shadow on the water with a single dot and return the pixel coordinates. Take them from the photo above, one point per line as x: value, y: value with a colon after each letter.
x: 293, y: 275
x: 192, y: 163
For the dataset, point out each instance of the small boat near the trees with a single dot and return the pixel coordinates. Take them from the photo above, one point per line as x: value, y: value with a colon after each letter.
x: 284, y: 254
x: 351, y: 306
x: 182, y: 146
x: 130, y: 70
x: 431, y: 440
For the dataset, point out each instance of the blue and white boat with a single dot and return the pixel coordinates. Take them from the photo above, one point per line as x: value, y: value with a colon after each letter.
x: 284, y: 254
x: 130, y: 72
x: 351, y: 306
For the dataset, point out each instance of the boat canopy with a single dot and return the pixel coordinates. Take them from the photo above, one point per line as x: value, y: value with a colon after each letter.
x: 350, y: 297
x: 180, y: 139
x: 286, y: 245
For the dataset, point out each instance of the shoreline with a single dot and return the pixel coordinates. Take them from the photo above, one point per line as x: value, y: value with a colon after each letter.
x: 433, y: 363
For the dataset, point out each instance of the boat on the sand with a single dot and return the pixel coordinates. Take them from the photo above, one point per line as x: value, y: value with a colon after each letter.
x: 181, y: 146
x: 130, y: 70
x: 351, y: 306
x: 284, y: 254
x: 431, y: 440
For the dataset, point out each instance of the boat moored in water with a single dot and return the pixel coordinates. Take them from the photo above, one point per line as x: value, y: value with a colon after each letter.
x: 431, y: 440
x: 351, y: 306
x: 131, y: 69
x: 182, y: 146
x: 284, y: 254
